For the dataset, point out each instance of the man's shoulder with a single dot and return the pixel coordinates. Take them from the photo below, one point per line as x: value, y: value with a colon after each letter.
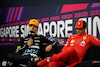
x: 88, y: 34
x: 25, y: 36
x: 40, y: 35
x: 74, y: 35
x: 83, y: 35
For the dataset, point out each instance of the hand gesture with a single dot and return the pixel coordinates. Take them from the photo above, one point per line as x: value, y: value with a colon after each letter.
x: 48, y: 48
x: 30, y: 42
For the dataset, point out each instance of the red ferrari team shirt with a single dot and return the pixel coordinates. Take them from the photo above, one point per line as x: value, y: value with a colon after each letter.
x: 81, y: 43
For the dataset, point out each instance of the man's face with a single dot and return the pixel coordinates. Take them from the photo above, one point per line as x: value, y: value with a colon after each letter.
x: 80, y: 31
x: 33, y: 28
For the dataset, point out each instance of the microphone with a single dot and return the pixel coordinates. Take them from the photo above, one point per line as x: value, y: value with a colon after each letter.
x: 31, y: 33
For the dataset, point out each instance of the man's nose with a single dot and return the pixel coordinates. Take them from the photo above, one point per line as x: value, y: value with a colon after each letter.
x: 32, y: 27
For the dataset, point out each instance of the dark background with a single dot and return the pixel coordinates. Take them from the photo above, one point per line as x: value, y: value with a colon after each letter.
x: 15, y: 3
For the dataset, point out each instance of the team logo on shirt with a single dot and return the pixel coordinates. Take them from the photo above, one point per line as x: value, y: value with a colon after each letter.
x: 84, y: 37
x: 82, y: 43
x: 72, y: 41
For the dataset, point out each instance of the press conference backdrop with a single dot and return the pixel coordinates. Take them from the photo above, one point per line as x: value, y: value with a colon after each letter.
x: 56, y: 21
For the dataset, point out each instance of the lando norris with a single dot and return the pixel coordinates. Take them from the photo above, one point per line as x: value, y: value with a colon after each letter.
x: 30, y: 48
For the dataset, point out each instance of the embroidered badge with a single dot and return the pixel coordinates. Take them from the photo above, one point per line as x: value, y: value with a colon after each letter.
x: 84, y: 37
x: 82, y: 43
x: 72, y: 41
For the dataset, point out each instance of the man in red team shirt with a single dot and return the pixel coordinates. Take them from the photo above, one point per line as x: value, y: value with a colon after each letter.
x: 74, y: 50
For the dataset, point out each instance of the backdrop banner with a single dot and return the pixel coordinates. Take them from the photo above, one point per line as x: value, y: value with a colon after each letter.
x: 56, y: 21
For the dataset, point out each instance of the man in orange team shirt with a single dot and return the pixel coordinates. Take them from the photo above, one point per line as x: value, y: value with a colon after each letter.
x: 74, y: 50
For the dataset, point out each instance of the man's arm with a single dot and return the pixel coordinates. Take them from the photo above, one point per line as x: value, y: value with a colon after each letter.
x: 95, y: 41
x: 67, y: 44
x: 48, y: 41
x: 19, y: 45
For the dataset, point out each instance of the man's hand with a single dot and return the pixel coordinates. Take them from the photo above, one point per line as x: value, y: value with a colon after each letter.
x: 30, y: 42
x: 48, y: 48
x: 95, y: 62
